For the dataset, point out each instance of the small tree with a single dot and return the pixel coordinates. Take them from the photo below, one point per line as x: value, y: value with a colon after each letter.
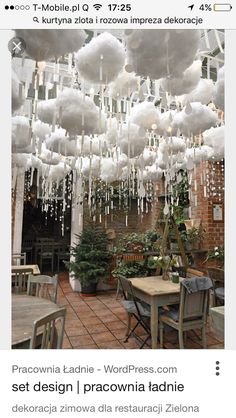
x: 90, y: 257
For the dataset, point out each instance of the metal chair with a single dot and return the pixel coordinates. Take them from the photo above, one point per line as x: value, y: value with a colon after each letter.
x: 48, y: 331
x: 217, y: 276
x: 43, y: 286
x: 18, y: 259
x: 20, y: 279
x: 136, y: 309
x: 192, y: 314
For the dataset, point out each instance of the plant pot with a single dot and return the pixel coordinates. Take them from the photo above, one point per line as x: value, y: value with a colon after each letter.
x: 89, y: 290
x: 136, y: 247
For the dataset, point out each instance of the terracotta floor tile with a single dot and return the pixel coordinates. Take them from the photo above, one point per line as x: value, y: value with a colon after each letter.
x: 103, y: 337
x: 97, y: 328
x: 110, y: 345
x: 79, y: 306
x: 122, y: 316
x: 74, y: 331
x: 72, y: 296
x: 72, y: 323
x: 83, y: 309
x: 100, y: 322
x: 118, y: 309
x: 119, y: 333
x: 91, y: 321
x: 81, y: 340
x: 132, y: 343
x: 102, y: 312
x: 84, y: 315
x: 108, y: 318
x: 116, y: 325
x: 87, y: 347
x: 113, y: 304
x: 95, y: 304
x: 66, y: 343
x: 88, y: 298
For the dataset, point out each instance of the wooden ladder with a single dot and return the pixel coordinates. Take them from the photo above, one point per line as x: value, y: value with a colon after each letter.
x: 170, y: 221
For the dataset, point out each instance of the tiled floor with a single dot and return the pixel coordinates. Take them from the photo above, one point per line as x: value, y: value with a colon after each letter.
x: 100, y: 322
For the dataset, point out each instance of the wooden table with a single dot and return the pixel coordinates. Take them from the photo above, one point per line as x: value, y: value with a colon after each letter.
x: 25, y: 310
x: 156, y: 292
x: 218, y: 320
x: 26, y: 267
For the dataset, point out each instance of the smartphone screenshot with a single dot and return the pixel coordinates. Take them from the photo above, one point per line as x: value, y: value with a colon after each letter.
x: 118, y: 208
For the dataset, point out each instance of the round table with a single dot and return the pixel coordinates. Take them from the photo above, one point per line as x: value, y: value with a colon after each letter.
x: 25, y: 310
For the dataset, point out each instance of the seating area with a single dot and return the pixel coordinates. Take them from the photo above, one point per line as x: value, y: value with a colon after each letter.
x: 100, y: 322
x: 118, y: 190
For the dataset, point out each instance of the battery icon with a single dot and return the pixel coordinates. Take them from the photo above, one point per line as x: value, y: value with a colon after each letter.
x: 222, y: 7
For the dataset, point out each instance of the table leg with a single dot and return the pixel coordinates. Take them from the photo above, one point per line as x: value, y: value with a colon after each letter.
x: 154, y: 322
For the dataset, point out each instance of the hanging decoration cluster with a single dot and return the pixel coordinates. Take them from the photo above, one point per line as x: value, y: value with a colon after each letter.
x: 109, y: 118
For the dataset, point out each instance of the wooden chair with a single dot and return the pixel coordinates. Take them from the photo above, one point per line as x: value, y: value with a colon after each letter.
x: 27, y: 247
x: 192, y: 272
x: 48, y: 331
x: 43, y: 286
x: 136, y: 309
x: 217, y: 276
x: 18, y: 259
x: 46, y: 254
x: 62, y: 253
x: 20, y: 279
x: 192, y: 314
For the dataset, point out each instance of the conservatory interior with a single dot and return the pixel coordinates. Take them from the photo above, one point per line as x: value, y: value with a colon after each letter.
x: 118, y: 189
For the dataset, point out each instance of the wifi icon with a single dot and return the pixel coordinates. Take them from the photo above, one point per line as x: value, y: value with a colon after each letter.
x: 97, y: 6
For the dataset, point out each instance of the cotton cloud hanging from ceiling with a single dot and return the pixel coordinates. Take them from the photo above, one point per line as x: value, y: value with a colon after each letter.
x: 194, y: 119
x: 101, y: 60
x: 43, y: 44
x: 186, y: 83
x: 77, y: 113
x: 161, y: 53
x: 145, y: 115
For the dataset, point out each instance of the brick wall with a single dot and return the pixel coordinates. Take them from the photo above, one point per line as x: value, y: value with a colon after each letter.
x: 117, y: 218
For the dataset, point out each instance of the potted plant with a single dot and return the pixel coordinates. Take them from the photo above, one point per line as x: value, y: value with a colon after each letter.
x: 137, y: 242
x: 192, y: 237
x: 165, y: 262
x: 130, y: 269
x: 90, y: 259
x: 216, y: 257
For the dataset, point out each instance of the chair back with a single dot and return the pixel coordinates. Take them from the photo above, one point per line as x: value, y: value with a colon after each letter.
x: 48, y: 331
x: 46, y: 248
x: 43, y: 286
x: 193, y: 306
x: 20, y: 279
x: 128, y: 292
x: 18, y: 259
x: 28, y: 242
x: 191, y: 272
x: 126, y: 287
x: 216, y: 274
